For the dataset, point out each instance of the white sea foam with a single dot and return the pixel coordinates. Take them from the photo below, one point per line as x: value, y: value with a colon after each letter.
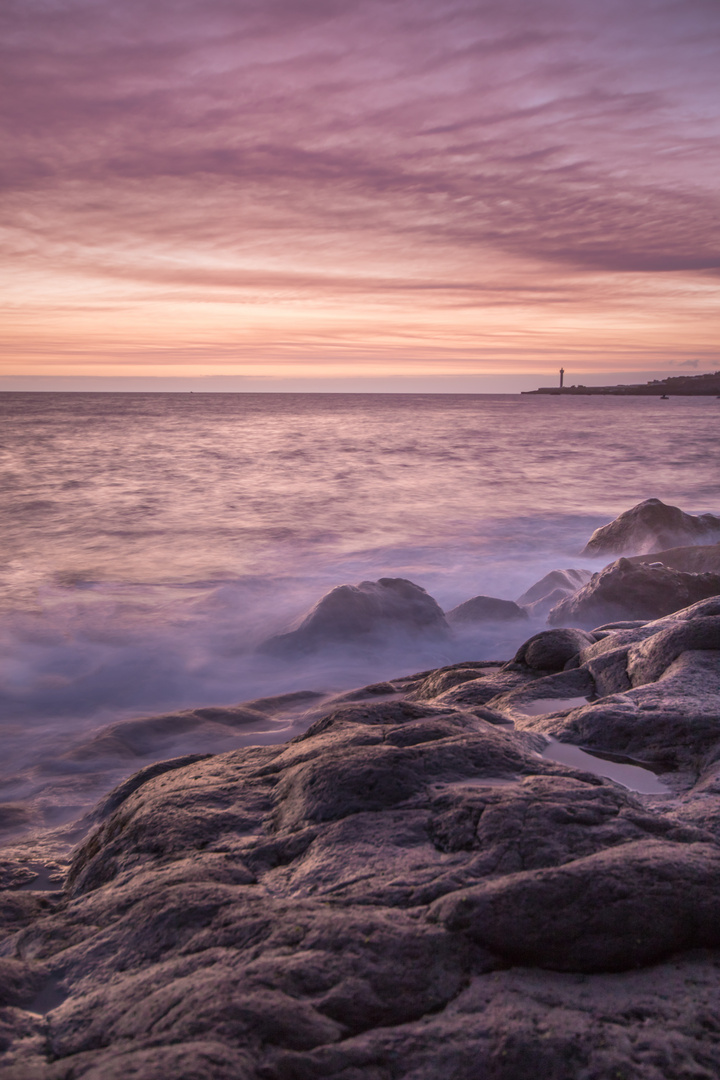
x: 150, y: 542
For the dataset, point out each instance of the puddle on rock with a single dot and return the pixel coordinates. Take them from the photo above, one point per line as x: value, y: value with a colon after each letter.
x: 47, y: 879
x: 633, y: 777
x: 546, y: 705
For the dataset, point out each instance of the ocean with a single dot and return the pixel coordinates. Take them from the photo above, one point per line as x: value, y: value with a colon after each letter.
x: 150, y: 542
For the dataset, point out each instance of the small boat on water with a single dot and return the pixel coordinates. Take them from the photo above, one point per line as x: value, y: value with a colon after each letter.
x: 664, y: 397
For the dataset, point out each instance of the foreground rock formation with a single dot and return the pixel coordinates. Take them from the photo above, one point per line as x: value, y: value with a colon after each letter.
x: 408, y: 889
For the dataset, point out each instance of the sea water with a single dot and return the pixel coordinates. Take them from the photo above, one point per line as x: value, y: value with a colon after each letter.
x: 150, y: 542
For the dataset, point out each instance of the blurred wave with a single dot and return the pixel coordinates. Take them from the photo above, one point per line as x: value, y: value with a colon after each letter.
x: 151, y: 541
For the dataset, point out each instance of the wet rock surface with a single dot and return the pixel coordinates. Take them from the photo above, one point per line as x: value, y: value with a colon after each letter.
x: 407, y: 889
x: 551, y: 650
x: 485, y: 609
x: 703, y: 559
x: 633, y: 590
x: 551, y: 589
x: 652, y: 526
x: 372, y: 610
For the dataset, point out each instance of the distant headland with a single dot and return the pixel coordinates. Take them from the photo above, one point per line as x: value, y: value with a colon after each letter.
x: 676, y: 385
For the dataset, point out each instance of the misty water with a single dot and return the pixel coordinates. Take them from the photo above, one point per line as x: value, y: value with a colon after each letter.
x: 150, y: 542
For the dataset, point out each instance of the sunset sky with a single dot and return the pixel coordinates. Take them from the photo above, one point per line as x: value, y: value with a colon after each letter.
x: 329, y: 193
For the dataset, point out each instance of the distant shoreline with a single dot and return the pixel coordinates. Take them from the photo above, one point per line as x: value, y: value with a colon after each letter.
x: 707, y: 385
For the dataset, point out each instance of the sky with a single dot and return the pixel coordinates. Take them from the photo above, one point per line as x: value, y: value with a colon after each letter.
x: 331, y: 194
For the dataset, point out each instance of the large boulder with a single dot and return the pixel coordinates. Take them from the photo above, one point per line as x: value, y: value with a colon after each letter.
x: 368, y: 612
x: 628, y: 590
x: 651, y: 526
x: 485, y: 609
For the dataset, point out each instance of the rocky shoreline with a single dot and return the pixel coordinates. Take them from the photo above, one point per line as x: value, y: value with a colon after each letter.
x: 411, y: 888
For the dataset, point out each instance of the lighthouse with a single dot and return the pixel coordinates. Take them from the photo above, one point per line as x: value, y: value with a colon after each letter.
x: 562, y: 376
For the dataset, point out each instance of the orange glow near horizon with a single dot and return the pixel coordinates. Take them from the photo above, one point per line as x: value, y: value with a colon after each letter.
x: 402, y: 190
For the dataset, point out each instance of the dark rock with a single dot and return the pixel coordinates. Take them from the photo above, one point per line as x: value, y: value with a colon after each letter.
x: 365, y: 693
x: 569, y: 580
x: 479, y: 691
x: 692, y: 560
x: 197, y: 1060
x: 212, y: 728
x: 284, y: 704
x: 620, y: 624
x: 16, y: 814
x: 698, y: 610
x: 550, y: 650
x: 672, y: 723
x: 21, y: 908
x: 649, y: 659
x: 624, y: 636
x: 369, y: 611
x: 609, y: 671
x: 564, y: 686
x: 367, y: 714
x: 367, y: 772
x: 485, y: 609
x: 19, y: 982
x: 651, y: 526
x: 437, y: 682
x: 610, y: 911
x: 353, y: 904
x: 518, y: 1023
x: 119, y: 794
x: 551, y: 589
x: 626, y: 590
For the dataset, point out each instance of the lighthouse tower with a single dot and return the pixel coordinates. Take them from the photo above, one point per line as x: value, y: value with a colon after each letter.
x: 562, y: 376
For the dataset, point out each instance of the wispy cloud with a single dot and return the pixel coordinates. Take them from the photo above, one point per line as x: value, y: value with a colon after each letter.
x: 522, y: 156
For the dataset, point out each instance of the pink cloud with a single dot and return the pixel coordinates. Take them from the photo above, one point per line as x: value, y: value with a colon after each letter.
x: 398, y: 147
